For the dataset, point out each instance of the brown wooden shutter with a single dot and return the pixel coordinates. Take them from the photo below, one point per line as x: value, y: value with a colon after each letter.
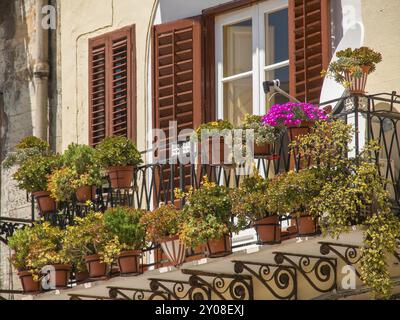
x: 112, y: 87
x: 309, y: 47
x: 177, y: 78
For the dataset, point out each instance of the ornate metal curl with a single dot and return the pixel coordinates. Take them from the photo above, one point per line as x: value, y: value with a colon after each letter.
x: 224, y: 286
x: 322, y: 268
x: 280, y: 281
x: 9, y: 225
x: 350, y: 256
x: 179, y: 290
x: 120, y: 293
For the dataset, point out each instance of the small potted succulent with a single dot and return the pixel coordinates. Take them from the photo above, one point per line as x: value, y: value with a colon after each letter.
x: 89, y: 240
x: 119, y: 156
x: 36, y: 248
x: 32, y: 176
x: 265, y: 136
x: 81, y: 158
x: 208, y: 219
x: 352, y: 68
x: 163, y: 226
x: 124, y: 224
x: 207, y: 133
x: 250, y: 203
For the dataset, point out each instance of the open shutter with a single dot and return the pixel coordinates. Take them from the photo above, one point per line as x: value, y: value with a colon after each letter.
x: 177, y: 74
x: 309, y: 47
x: 97, y: 90
x: 112, y: 86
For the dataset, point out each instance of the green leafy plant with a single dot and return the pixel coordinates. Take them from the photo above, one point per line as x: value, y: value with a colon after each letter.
x: 263, y: 133
x: 80, y: 157
x: 125, y: 224
x: 61, y: 184
x: 162, y: 222
x: 250, y: 200
x: 36, y: 247
x: 352, y: 62
x: 33, y: 173
x: 214, y: 128
x: 207, y: 214
x: 89, y: 236
x: 117, y: 151
x: 26, y: 148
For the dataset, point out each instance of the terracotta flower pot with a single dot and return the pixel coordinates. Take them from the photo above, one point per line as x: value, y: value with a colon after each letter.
x: 174, y: 249
x: 295, y: 132
x: 358, y: 84
x: 219, y: 247
x: 85, y: 193
x: 121, y: 177
x: 62, y: 275
x: 28, y: 284
x: 306, y: 226
x: 129, y: 262
x: 262, y: 150
x: 81, y: 277
x: 96, y: 268
x: 268, y: 230
x: 45, y: 203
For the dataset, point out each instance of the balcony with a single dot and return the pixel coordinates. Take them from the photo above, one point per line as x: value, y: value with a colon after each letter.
x: 298, y: 268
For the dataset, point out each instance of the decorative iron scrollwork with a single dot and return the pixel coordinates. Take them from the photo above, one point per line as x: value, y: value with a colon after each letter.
x: 280, y: 281
x: 319, y: 272
x: 223, y: 286
x: 9, y: 225
x: 118, y: 293
x: 87, y: 297
x: 180, y: 290
x: 350, y: 256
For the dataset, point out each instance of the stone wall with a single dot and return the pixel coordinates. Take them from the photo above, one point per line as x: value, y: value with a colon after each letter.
x: 17, y: 20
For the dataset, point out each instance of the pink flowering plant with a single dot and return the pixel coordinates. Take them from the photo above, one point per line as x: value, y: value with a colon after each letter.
x: 293, y: 114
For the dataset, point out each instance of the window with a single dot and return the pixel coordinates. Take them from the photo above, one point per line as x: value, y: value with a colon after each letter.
x: 252, y: 46
x: 112, y: 86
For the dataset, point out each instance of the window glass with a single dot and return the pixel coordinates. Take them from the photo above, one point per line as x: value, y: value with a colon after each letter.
x: 238, y: 99
x: 238, y: 48
x: 283, y: 75
x: 276, y: 32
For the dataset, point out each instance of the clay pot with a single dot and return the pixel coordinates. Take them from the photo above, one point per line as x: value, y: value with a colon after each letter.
x: 262, y: 150
x: 129, y: 262
x: 357, y: 85
x: 306, y: 226
x: 219, y: 248
x: 28, y: 284
x: 268, y: 230
x: 45, y: 203
x: 174, y: 249
x: 121, y: 177
x: 85, y: 193
x: 96, y: 268
x: 81, y: 277
x: 62, y: 275
x: 295, y: 132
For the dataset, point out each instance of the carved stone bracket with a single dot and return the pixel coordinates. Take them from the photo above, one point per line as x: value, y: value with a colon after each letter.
x: 222, y: 286
x: 179, y: 290
x: 119, y: 293
x: 319, y: 272
x: 349, y: 254
x: 280, y: 280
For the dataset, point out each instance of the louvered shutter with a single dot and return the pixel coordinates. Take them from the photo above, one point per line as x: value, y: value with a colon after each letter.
x: 309, y: 47
x: 97, y: 90
x: 177, y: 74
x: 112, y: 87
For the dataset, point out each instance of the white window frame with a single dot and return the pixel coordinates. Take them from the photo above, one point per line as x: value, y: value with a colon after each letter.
x: 257, y: 14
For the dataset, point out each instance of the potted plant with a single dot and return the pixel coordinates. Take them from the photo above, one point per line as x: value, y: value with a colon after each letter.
x: 163, y: 226
x: 250, y: 203
x: 264, y: 135
x: 208, y: 219
x: 352, y: 68
x: 32, y: 176
x: 207, y: 133
x: 119, y: 156
x: 124, y: 223
x: 89, y: 242
x: 81, y: 158
x: 26, y: 148
x: 36, y: 248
